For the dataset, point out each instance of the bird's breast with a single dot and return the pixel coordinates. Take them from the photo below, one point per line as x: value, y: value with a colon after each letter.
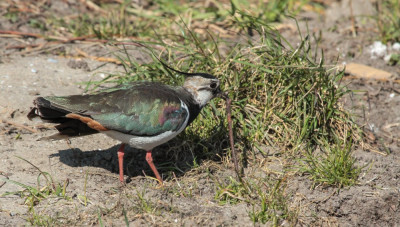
x: 145, y: 142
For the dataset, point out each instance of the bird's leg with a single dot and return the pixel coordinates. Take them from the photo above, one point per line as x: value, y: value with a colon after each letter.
x: 149, y: 160
x: 121, y: 162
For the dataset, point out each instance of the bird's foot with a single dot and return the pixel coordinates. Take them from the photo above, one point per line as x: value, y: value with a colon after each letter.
x: 149, y: 160
x: 121, y: 163
x: 122, y: 184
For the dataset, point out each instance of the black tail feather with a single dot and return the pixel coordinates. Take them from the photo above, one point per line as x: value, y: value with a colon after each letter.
x: 46, y: 111
x: 66, y: 127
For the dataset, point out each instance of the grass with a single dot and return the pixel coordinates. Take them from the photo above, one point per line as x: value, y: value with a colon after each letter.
x: 332, y: 165
x: 283, y: 96
x: 388, y: 20
x: 128, y: 19
x: 33, y: 195
x: 266, y: 196
x: 139, y: 203
x: 83, y: 199
x: 42, y: 219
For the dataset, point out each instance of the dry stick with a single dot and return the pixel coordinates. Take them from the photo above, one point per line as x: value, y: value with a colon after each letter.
x: 82, y: 39
x: 20, y: 126
x: 353, y: 23
x: 21, y: 33
x: 59, y: 40
x: 6, y: 176
x: 234, y: 154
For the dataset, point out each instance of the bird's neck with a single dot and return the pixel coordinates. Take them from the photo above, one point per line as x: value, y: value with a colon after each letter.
x: 188, y: 98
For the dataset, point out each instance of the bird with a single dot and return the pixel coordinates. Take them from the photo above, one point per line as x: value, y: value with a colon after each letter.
x: 142, y: 115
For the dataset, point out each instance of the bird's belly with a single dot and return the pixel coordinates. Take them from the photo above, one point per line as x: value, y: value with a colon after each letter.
x: 146, y: 142
x: 142, y: 142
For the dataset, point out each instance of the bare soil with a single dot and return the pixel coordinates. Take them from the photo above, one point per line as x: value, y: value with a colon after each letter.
x: 89, y: 164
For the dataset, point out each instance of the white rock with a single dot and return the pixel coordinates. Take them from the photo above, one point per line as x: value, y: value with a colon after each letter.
x: 396, y: 46
x: 378, y: 50
x: 52, y: 60
x: 387, y: 57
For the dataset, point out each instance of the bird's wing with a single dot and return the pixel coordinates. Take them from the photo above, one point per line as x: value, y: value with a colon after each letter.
x: 142, y: 109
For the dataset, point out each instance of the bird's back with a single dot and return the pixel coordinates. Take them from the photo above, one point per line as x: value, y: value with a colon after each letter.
x: 139, y: 109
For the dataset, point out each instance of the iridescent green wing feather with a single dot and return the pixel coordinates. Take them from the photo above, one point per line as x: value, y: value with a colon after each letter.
x: 142, y: 109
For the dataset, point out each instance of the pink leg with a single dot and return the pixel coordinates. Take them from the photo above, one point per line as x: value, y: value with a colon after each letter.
x: 121, y: 162
x: 149, y: 160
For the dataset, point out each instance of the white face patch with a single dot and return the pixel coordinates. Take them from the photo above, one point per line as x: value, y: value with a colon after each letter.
x: 203, y: 97
x: 201, y: 88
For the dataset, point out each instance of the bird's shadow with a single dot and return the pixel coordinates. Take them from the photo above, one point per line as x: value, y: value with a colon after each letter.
x: 134, y: 160
x: 177, y: 156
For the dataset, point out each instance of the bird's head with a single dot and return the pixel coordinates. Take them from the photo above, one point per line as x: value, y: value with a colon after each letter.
x: 203, y: 87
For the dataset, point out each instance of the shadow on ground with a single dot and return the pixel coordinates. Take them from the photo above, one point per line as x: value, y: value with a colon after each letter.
x: 173, y: 158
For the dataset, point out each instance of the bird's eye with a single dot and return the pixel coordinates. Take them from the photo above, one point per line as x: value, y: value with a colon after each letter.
x: 213, y: 85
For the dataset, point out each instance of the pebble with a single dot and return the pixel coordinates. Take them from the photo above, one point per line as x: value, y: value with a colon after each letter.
x: 33, y: 92
x: 378, y: 49
x: 387, y: 57
x: 52, y: 60
x: 396, y: 46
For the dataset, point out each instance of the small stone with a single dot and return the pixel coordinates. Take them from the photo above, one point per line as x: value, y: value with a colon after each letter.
x: 78, y: 64
x: 378, y: 50
x: 52, y: 60
x: 396, y: 46
x: 387, y: 57
x: 33, y: 92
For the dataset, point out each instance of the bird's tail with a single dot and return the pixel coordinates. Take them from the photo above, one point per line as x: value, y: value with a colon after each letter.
x: 44, y: 111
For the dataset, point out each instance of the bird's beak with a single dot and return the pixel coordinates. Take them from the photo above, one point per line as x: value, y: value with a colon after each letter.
x: 217, y: 92
x: 221, y: 94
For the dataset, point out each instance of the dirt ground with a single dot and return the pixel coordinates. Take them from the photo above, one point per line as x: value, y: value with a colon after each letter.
x: 375, y: 201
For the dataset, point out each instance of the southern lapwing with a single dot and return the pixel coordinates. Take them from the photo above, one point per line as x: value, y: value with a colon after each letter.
x: 140, y: 114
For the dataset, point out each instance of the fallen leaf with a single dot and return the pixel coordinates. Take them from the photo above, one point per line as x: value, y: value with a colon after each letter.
x: 367, y: 72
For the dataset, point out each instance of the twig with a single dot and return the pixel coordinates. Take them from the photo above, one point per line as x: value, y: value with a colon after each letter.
x: 234, y: 154
x: 5, y: 175
x: 26, y: 34
x: 91, y: 5
x: 59, y: 40
x: 388, y: 126
x: 353, y: 23
x: 101, y: 59
x: 87, y: 38
x: 71, y: 40
x: 20, y: 126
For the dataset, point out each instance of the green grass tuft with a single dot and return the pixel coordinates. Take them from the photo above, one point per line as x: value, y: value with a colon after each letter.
x: 265, y: 195
x: 332, y: 164
x: 33, y: 195
x: 388, y: 20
